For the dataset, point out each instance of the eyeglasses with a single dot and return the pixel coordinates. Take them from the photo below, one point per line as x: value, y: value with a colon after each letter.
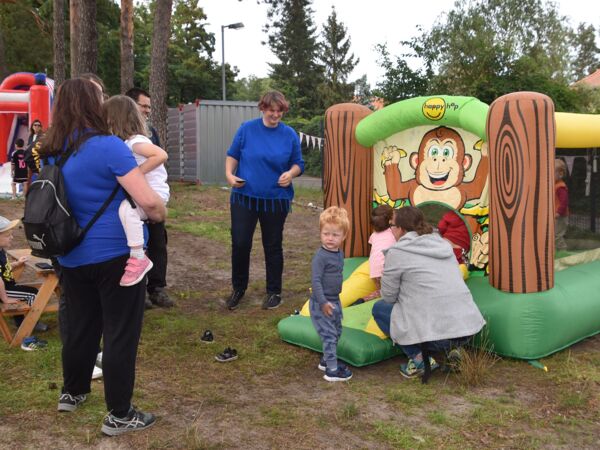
x: 36, y: 125
x: 148, y: 107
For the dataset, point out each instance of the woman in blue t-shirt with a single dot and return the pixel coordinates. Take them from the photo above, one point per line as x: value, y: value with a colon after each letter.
x: 263, y: 159
x: 97, y: 306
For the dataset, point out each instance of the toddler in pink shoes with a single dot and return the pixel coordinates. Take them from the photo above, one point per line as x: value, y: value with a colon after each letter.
x: 125, y: 121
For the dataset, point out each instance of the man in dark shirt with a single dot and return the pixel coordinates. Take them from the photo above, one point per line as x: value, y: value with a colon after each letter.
x: 157, y: 241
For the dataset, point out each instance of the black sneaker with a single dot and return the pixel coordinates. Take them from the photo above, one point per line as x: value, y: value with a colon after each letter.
x: 148, y: 304
x: 272, y: 301
x: 341, y: 374
x: 69, y: 403
x: 135, y: 420
x: 234, y: 300
x: 207, y: 337
x: 229, y: 354
x: 160, y: 298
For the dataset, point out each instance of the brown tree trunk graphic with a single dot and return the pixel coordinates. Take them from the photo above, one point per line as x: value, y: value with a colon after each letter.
x: 348, y: 173
x: 521, y: 137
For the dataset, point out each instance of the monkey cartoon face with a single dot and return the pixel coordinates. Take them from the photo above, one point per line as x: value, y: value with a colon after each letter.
x: 441, y: 161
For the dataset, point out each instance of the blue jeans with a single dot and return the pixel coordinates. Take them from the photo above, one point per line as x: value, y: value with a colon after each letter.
x: 382, y: 313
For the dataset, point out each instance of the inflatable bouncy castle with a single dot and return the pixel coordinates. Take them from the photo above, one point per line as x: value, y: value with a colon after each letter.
x: 494, y: 167
x: 24, y: 97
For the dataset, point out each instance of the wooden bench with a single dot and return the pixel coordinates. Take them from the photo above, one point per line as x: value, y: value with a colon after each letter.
x: 47, y: 286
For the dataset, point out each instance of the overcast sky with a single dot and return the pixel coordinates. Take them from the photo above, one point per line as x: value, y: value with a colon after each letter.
x: 369, y: 22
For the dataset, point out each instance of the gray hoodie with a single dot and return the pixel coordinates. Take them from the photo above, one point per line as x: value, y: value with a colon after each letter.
x: 431, y: 300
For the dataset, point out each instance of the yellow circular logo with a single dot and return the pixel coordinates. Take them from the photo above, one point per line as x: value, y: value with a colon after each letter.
x: 434, y: 108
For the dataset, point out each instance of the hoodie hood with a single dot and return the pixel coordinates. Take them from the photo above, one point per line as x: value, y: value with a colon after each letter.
x: 431, y: 245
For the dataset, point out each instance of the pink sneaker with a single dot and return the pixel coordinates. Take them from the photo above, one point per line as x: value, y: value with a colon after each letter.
x: 135, y: 271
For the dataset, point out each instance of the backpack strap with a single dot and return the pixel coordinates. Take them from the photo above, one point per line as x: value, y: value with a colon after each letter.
x: 61, y: 162
x: 102, y: 208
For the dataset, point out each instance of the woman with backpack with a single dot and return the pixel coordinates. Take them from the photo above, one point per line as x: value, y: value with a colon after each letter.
x: 98, y: 306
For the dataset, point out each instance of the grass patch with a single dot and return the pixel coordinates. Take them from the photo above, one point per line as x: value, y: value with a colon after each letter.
x: 400, y: 437
x: 216, y: 231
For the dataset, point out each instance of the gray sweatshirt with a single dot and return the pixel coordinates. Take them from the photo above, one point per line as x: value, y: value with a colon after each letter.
x: 327, y: 278
x: 431, y: 300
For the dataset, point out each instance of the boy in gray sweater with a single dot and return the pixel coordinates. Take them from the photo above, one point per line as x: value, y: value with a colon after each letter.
x: 324, y: 305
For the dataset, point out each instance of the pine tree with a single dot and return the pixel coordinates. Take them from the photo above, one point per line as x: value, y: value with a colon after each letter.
x: 293, y: 40
x: 338, y: 63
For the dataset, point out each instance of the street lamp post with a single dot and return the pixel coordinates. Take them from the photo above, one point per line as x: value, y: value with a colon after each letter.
x: 233, y: 26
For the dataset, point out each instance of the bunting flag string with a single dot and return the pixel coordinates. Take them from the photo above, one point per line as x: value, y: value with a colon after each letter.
x: 569, y: 160
x: 311, y: 141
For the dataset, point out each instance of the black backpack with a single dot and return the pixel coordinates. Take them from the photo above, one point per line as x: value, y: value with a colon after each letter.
x: 50, y: 227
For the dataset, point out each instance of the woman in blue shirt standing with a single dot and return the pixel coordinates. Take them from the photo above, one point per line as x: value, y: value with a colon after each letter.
x: 263, y: 159
x: 97, y: 305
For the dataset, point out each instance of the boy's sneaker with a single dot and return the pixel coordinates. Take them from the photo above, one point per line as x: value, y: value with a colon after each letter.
x: 412, y: 369
x: 234, y: 299
x: 69, y: 403
x: 135, y: 270
x: 341, y: 374
x: 323, y: 364
x: 229, y: 354
x: 272, y: 301
x: 32, y: 343
x: 135, y: 420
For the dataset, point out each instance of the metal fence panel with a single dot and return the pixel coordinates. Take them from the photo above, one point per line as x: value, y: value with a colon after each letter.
x: 199, y: 135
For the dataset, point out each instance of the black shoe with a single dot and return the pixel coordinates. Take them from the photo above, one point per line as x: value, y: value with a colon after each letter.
x: 148, y: 304
x: 272, y: 301
x: 234, y: 300
x: 207, y: 337
x: 134, y: 421
x: 69, y: 403
x: 160, y: 298
x: 229, y: 354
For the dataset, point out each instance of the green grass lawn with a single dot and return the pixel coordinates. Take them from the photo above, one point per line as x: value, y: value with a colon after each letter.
x: 273, y: 396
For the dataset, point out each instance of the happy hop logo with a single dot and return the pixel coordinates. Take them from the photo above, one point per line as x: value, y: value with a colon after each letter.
x: 434, y: 108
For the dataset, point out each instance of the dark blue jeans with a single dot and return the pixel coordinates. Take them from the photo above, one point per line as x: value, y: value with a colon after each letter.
x: 382, y: 313
x: 271, y: 216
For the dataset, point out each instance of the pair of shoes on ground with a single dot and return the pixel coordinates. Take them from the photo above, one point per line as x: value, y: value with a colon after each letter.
x: 271, y: 301
x: 341, y: 374
x: 97, y: 373
x: 414, y: 369
x: 135, y: 420
x: 229, y: 354
x: 32, y: 343
x: 135, y: 271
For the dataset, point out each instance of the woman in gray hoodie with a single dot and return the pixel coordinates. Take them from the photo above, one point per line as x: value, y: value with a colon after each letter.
x: 425, y: 298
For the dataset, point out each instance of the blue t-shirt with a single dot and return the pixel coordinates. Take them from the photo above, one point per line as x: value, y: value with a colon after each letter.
x: 263, y: 154
x: 90, y: 177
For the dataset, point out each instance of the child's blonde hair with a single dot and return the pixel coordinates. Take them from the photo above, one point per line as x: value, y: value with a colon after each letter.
x: 337, y: 216
x: 561, y: 168
x: 123, y: 117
